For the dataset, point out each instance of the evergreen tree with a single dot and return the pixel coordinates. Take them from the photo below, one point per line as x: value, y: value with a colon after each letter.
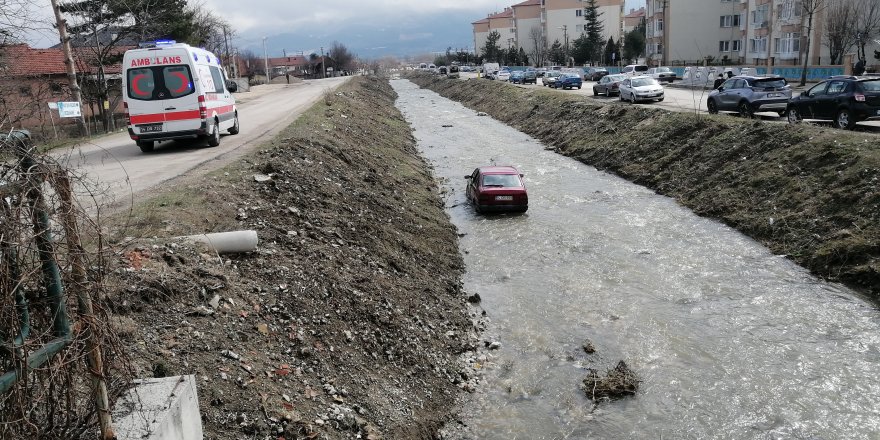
x: 610, y: 49
x: 593, y: 30
x: 491, y: 51
x: 634, y: 42
x: 581, y: 49
x: 523, y: 58
x: 557, y: 53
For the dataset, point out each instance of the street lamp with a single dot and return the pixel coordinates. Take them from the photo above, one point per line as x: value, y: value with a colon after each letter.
x: 266, y: 58
x: 565, y: 37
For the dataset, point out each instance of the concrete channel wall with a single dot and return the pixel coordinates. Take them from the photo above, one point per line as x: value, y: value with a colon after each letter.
x: 159, y: 409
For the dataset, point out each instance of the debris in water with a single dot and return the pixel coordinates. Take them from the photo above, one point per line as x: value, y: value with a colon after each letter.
x: 617, y: 383
x: 589, y: 348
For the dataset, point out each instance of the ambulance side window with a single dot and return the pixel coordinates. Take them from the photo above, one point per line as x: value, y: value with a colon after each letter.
x: 178, y: 81
x: 141, y: 83
x: 218, y: 80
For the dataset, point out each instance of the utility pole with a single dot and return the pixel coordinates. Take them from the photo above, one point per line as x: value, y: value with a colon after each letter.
x: 226, y: 42
x: 565, y: 37
x: 323, y: 67
x: 75, y: 90
x: 266, y: 58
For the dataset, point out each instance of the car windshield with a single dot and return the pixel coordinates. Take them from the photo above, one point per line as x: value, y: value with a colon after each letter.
x: 613, y: 78
x: 639, y: 82
x: 662, y: 70
x: 872, y: 85
x: 501, y: 180
x: 770, y: 83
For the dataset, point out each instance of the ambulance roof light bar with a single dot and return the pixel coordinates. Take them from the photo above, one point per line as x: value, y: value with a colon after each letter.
x: 157, y: 43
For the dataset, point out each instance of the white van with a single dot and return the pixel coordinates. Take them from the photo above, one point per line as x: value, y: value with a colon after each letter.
x: 174, y: 91
x: 635, y: 70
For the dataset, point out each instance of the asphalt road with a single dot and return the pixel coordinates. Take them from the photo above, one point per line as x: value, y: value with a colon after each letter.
x: 115, y: 171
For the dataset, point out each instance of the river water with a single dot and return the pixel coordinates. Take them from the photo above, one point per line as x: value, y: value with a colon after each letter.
x: 730, y: 341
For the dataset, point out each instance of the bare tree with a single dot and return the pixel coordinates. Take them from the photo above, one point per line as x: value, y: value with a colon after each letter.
x: 341, y: 56
x: 538, y: 51
x: 810, y: 9
x: 837, y: 30
x: 14, y: 21
x: 866, y: 25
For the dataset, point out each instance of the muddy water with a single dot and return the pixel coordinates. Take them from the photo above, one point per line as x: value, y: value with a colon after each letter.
x: 731, y: 341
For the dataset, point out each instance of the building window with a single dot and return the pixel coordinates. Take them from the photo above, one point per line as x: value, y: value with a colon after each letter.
x: 736, y: 46
x: 579, y: 13
x: 759, y: 16
x: 724, y: 46
x: 56, y: 88
x: 758, y: 45
x: 659, y: 25
x: 790, y: 42
x: 729, y: 21
x: 24, y: 90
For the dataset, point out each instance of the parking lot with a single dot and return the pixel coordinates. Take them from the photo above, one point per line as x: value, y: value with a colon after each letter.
x: 681, y: 99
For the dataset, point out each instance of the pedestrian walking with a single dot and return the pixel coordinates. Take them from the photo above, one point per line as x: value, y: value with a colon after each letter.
x: 718, y: 81
x: 287, y: 75
x: 859, y: 68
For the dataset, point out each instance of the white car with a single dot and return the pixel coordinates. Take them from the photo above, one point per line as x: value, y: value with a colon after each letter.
x: 641, y: 88
x: 503, y: 75
x: 661, y: 74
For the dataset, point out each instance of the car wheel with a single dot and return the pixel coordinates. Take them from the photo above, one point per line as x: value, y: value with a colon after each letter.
x: 660, y: 100
x: 595, y: 92
x: 214, y: 140
x: 712, y: 106
x: 620, y: 97
x: 146, y: 146
x: 632, y: 98
x: 235, y: 127
x: 793, y: 116
x: 579, y: 87
x: 745, y: 110
x: 844, y: 120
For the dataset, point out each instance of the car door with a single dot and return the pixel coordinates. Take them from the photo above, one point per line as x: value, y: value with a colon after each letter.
x: 808, y: 103
x: 826, y: 104
x: 626, y: 85
x: 728, y: 97
x: 472, y: 185
x: 602, y: 87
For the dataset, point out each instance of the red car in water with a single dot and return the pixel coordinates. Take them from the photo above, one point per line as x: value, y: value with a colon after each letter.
x: 497, y: 189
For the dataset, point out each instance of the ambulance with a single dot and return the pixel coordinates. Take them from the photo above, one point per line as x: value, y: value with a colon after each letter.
x: 174, y: 91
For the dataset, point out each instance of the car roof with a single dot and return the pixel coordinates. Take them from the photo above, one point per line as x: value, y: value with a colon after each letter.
x: 758, y: 77
x: 498, y: 170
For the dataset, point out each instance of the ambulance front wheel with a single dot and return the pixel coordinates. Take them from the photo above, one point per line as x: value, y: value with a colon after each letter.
x: 235, y: 128
x: 146, y: 146
x: 214, y: 140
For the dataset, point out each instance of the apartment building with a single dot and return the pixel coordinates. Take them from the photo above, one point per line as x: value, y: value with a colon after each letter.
x: 754, y: 32
x: 555, y: 19
x: 631, y: 20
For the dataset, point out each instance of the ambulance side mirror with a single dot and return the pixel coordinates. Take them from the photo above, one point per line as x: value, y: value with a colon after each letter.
x: 232, y: 86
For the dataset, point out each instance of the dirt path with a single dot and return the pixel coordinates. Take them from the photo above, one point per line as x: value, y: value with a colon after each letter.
x: 809, y: 193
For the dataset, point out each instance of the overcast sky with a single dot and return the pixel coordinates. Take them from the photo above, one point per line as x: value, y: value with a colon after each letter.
x: 371, y: 28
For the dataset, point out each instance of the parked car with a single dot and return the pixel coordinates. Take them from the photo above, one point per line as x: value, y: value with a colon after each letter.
x: 530, y: 76
x: 568, y: 81
x: 747, y: 94
x: 517, y: 77
x: 454, y: 71
x: 443, y: 70
x: 641, y: 88
x: 550, y: 77
x: 842, y: 100
x: 634, y: 70
x: 661, y: 74
x: 608, y: 85
x: 594, y: 73
x: 502, y: 75
x: 497, y: 189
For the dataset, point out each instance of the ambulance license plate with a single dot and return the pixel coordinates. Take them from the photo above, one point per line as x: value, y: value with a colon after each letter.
x: 150, y: 128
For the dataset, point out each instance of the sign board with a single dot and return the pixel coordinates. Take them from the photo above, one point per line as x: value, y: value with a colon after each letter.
x: 69, y: 110
x: 53, y: 106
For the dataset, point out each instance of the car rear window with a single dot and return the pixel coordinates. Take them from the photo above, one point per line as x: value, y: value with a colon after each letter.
x: 501, y: 180
x: 641, y: 68
x: 160, y: 82
x: 769, y: 83
x: 871, y: 86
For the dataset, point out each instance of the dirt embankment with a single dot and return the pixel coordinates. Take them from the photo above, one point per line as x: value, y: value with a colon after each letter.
x: 811, y: 193
x: 347, y: 322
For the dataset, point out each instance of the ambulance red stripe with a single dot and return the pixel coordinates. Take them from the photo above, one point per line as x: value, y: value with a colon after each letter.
x: 175, y: 116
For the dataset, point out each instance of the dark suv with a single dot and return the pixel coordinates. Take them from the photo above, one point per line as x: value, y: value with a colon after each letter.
x: 844, y: 100
x: 749, y: 94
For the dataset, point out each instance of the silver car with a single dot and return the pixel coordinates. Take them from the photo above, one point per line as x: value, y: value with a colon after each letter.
x: 641, y: 88
x: 746, y: 95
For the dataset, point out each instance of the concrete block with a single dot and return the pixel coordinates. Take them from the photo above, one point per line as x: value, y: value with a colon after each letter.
x: 159, y: 409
